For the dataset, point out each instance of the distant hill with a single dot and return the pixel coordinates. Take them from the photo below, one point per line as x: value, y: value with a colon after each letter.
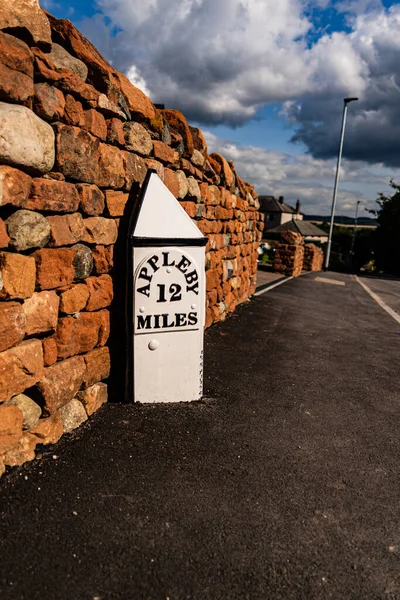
x: 341, y: 220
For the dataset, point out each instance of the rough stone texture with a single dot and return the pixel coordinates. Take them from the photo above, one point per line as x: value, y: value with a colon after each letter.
x: 41, y: 312
x: 66, y: 229
x: 10, y: 427
x: 20, y: 367
x: 93, y: 397
x: 64, y: 60
x: 288, y: 258
x: 31, y: 412
x: 27, y: 229
x: 78, y: 335
x: 72, y: 415
x: 49, y: 351
x: 48, y: 430
x: 91, y: 199
x: 17, y: 276
x: 183, y: 184
x: 171, y: 181
x: 135, y: 169
x: 26, y: 16
x: 54, y: 267
x: 75, y: 299
x: 49, y: 102
x: 52, y: 195
x: 100, y: 231
x: 100, y: 292
x: 97, y: 366
x: 165, y: 153
x: 138, y: 103
x: 12, y: 324
x: 83, y: 261
x: 60, y: 383
x: 74, y: 114
x: 193, y: 189
x: 16, y: 70
x: 115, y: 202
x: 22, y: 452
x: 103, y: 259
x: 177, y: 122
x: 115, y: 132
x: 137, y: 138
x: 15, y: 186
x: 313, y: 258
x: 95, y: 123
x: 25, y: 139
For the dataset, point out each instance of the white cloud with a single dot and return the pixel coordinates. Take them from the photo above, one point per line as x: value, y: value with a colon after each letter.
x: 310, y: 180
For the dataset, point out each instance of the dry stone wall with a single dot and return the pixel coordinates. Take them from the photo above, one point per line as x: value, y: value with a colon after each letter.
x: 313, y: 258
x: 289, y: 254
x: 76, y: 141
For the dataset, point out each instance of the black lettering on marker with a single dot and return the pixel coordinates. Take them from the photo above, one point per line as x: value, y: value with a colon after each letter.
x: 145, y: 290
x: 157, y: 322
x: 165, y: 324
x: 192, y: 318
x: 144, y: 275
x: 180, y: 320
x: 183, y: 264
x: 166, y: 262
x: 144, y: 322
x: 153, y: 262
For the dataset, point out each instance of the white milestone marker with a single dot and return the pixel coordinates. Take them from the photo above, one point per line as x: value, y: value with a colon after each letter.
x: 168, y: 254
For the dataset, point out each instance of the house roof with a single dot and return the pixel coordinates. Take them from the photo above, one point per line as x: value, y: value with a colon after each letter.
x: 271, y: 204
x: 305, y: 228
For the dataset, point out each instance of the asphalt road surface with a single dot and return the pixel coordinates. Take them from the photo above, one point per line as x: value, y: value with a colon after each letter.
x: 387, y: 289
x: 282, y: 484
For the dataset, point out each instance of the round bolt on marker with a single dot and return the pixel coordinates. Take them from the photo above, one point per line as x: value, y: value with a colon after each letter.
x: 169, y: 270
x: 153, y: 345
x: 141, y: 309
x: 192, y: 306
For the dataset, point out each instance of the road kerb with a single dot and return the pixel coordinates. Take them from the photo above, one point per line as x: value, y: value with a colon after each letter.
x: 377, y: 299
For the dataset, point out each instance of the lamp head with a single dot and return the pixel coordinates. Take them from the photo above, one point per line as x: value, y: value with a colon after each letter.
x: 348, y: 100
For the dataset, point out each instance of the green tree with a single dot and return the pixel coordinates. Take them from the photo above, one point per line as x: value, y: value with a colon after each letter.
x: 387, y: 236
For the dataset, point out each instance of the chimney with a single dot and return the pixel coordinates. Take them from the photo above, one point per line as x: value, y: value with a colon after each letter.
x: 281, y: 199
x: 298, y: 206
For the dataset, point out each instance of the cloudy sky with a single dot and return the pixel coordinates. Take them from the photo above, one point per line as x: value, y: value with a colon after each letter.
x: 265, y: 80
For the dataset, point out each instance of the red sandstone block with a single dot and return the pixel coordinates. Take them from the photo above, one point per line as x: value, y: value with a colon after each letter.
x: 16, y: 70
x: 61, y: 382
x: 41, y: 312
x: 20, y: 368
x: 171, y: 181
x: 103, y: 259
x: 95, y: 123
x: 49, y: 102
x: 54, y: 267
x: 93, y: 397
x: 190, y: 208
x: 10, y: 427
x: 100, y: 292
x: 18, y: 274
x: 97, y: 366
x: 73, y: 112
x: 74, y: 299
x: 212, y: 279
x: 12, y: 324
x: 4, y: 237
x: 51, y: 195
x: 165, y: 153
x: 49, y: 351
x: 115, y: 132
x: 15, y: 186
x: 77, y: 335
x: 91, y: 199
x: 66, y: 230
x: 48, y: 430
x: 116, y: 202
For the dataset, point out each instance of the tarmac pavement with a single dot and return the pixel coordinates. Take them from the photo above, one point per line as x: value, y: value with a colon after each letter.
x: 283, y: 483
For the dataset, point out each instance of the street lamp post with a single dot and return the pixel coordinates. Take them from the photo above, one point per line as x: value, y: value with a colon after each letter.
x: 353, y: 239
x: 328, y: 250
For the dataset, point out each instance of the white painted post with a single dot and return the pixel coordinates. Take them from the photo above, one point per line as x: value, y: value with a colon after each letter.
x: 168, y: 298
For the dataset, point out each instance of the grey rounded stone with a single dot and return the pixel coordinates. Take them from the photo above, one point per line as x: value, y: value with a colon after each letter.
x: 63, y: 60
x: 31, y: 412
x: 72, y: 415
x: 83, y: 261
x: 28, y: 229
x: 25, y: 140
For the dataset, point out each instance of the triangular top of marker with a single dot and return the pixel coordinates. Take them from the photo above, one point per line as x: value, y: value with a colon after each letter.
x: 160, y: 215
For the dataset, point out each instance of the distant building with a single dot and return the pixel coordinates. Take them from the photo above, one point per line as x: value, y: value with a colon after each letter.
x: 277, y: 212
x: 309, y: 231
x: 279, y: 216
